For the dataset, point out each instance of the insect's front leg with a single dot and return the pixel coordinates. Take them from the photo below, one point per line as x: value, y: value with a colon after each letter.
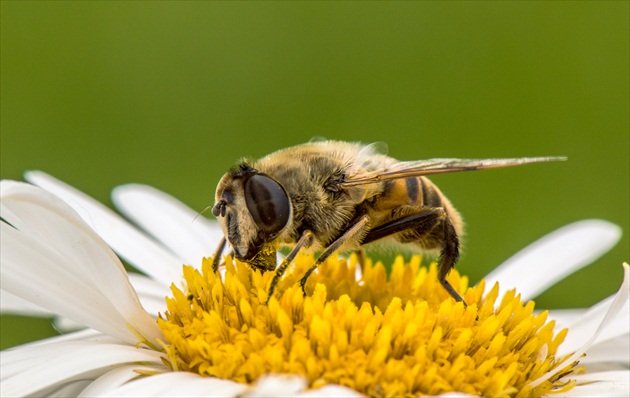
x: 217, y: 255
x: 305, y: 240
x: 349, y: 234
x: 432, y: 229
x: 361, y: 258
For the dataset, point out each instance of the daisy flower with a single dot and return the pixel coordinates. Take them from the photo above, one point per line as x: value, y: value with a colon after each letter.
x: 358, y: 332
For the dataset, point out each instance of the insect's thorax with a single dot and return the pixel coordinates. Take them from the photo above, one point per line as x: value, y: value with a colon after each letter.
x: 318, y: 203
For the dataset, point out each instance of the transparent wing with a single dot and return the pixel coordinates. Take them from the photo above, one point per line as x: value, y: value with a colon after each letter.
x: 318, y: 138
x: 375, y: 148
x: 437, y: 166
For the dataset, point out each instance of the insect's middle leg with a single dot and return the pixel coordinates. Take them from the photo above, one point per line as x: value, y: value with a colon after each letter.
x: 351, y: 232
x: 433, y: 229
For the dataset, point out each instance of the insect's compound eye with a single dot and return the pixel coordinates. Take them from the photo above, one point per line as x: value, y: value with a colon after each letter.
x: 267, y: 203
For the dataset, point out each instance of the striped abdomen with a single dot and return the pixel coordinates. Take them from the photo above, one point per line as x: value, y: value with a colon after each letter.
x: 415, y: 192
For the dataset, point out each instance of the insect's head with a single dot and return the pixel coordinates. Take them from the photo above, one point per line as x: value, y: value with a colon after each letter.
x: 252, y: 209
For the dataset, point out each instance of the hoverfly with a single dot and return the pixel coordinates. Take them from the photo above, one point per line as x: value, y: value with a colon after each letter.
x: 332, y: 195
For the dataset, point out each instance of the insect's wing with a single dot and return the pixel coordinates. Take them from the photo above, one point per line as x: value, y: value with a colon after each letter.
x: 369, y: 150
x: 318, y: 138
x: 371, y: 158
x: 435, y: 166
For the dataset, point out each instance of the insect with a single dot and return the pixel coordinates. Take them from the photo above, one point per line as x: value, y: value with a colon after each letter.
x: 332, y: 195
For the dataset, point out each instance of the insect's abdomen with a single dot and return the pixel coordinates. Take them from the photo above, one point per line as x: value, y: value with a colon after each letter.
x: 408, y: 191
x: 417, y: 192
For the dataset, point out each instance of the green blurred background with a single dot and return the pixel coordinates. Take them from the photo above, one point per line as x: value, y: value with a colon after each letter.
x: 171, y: 94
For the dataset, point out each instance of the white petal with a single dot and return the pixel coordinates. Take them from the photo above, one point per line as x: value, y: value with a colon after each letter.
x: 620, y: 301
x: 330, y: 390
x: 177, y: 226
x: 66, y: 325
x: 152, y: 294
x: 276, y: 386
x: 70, y: 389
x: 178, y: 384
x: 554, y: 256
x: 131, y: 244
x: 608, y: 353
x: 56, y: 261
x: 12, y: 304
x: 58, y: 364
x: 148, y: 287
x: 21, y: 358
x: 81, y: 335
x: 587, y: 324
x: 41, y: 276
x: 603, y: 384
x: 565, y: 317
x: 113, y: 379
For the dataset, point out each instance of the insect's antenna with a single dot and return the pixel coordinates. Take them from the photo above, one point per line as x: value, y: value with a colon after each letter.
x: 201, y: 212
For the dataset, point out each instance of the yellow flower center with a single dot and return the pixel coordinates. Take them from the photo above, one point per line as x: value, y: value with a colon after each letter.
x: 397, y: 336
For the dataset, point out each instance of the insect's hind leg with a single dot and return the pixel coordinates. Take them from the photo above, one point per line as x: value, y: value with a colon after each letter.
x: 448, y: 257
x: 425, y: 223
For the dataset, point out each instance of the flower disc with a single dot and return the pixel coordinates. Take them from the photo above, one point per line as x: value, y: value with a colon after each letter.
x: 397, y: 336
